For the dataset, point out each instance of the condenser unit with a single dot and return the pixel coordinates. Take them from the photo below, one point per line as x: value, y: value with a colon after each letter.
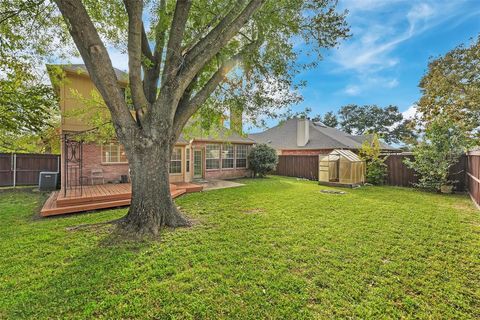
x: 48, y: 181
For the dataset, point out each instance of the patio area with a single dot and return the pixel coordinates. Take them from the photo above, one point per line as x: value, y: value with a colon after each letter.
x: 101, y: 197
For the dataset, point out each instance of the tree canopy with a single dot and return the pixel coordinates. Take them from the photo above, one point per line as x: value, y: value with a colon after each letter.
x: 387, y: 122
x: 451, y: 89
x: 185, y: 58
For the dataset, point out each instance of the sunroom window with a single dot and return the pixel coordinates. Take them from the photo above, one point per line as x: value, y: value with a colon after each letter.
x: 212, y: 156
x: 176, y: 161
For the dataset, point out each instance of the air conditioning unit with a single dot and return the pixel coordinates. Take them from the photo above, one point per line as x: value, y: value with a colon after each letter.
x: 48, y: 181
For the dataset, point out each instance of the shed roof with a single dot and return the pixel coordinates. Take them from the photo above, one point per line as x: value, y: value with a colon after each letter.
x: 347, y: 154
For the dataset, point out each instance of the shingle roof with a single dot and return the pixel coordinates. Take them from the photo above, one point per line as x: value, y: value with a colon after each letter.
x: 284, y: 136
x: 82, y: 69
x: 220, y: 135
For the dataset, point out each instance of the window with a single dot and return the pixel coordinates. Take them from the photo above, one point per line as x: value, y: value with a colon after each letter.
x: 227, y: 156
x: 113, y: 153
x: 212, y: 156
x: 176, y: 161
x: 187, y: 159
x: 241, y: 156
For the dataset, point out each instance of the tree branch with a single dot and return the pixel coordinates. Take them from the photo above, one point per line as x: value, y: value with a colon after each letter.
x: 147, y: 52
x: 135, y: 32
x: 212, y: 43
x: 98, y: 64
x: 188, y: 106
x: 152, y: 70
x: 174, y: 46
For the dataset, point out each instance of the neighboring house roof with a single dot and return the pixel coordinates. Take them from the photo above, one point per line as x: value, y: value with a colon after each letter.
x: 221, y: 135
x: 369, y: 137
x: 284, y: 136
x: 82, y: 69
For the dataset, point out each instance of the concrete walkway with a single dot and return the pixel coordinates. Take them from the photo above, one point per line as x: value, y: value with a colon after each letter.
x: 220, y: 184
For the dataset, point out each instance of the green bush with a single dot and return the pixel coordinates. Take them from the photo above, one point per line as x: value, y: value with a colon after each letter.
x: 376, y: 168
x: 440, y: 148
x: 262, y: 159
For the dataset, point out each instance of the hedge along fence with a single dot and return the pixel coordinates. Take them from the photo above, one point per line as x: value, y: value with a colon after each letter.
x: 398, y: 174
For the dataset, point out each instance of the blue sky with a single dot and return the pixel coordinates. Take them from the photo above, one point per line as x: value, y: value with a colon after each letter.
x: 383, y: 61
x: 391, y: 43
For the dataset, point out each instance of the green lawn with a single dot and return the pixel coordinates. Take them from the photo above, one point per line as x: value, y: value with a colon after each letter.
x: 275, y: 248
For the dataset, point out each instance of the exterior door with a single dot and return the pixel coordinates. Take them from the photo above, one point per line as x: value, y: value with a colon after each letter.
x: 197, y: 164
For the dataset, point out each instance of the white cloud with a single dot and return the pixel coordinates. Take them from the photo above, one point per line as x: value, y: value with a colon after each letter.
x: 410, y: 112
x: 371, y: 49
x: 352, y: 90
x: 392, y: 83
x: 364, y: 84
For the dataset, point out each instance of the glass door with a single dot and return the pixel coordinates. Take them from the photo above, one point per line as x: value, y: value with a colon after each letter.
x: 197, y: 163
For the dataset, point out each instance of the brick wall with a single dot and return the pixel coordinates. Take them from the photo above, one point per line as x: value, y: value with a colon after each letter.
x: 227, y: 173
x: 92, y: 159
x: 220, y: 173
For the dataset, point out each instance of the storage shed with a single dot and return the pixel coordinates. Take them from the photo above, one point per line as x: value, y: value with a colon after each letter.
x: 341, y: 168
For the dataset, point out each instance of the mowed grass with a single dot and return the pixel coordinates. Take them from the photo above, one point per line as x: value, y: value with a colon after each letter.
x: 274, y: 248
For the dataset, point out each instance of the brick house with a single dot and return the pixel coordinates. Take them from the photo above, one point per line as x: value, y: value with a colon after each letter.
x: 223, y: 156
x: 303, y: 137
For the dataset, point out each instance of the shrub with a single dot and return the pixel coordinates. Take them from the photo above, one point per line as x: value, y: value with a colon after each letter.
x: 440, y: 148
x: 262, y: 159
x: 376, y: 168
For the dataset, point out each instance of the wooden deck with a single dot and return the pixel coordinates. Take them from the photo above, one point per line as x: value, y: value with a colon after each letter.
x: 101, y: 197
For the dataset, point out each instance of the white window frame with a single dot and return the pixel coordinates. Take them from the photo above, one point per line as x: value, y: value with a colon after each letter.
x: 226, y: 157
x: 243, y: 158
x: 175, y: 161
x: 187, y: 159
x: 207, y: 156
x: 120, y: 150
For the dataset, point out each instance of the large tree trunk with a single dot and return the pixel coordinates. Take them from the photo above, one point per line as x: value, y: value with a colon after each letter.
x: 152, y: 207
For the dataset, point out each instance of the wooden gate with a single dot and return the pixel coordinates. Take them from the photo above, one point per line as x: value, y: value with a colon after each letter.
x: 473, y: 176
x: 24, y: 169
x: 305, y: 166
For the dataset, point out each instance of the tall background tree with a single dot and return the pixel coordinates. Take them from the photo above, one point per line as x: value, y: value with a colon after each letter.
x: 387, y: 122
x: 451, y: 90
x: 28, y: 105
x: 184, y: 57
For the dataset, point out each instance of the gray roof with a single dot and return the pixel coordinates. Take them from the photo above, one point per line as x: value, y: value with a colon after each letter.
x: 369, y: 137
x: 82, y: 69
x: 284, y: 136
x: 220, y: 135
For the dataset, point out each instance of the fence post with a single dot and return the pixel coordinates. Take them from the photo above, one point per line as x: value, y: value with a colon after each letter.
x: 14, y: 170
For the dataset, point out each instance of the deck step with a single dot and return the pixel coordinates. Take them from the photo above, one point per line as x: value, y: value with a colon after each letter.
x: 177, y: 192
x: 101, y: 197
x: 84, y: 207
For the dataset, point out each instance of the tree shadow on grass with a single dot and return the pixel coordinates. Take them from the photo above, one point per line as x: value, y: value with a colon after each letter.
x: 82, y: 280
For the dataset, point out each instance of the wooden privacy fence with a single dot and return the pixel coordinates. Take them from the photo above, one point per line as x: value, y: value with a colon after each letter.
x: 398, y: 174
x: 304, y: 166
x: 473, y: 176
x: 23, y: 169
